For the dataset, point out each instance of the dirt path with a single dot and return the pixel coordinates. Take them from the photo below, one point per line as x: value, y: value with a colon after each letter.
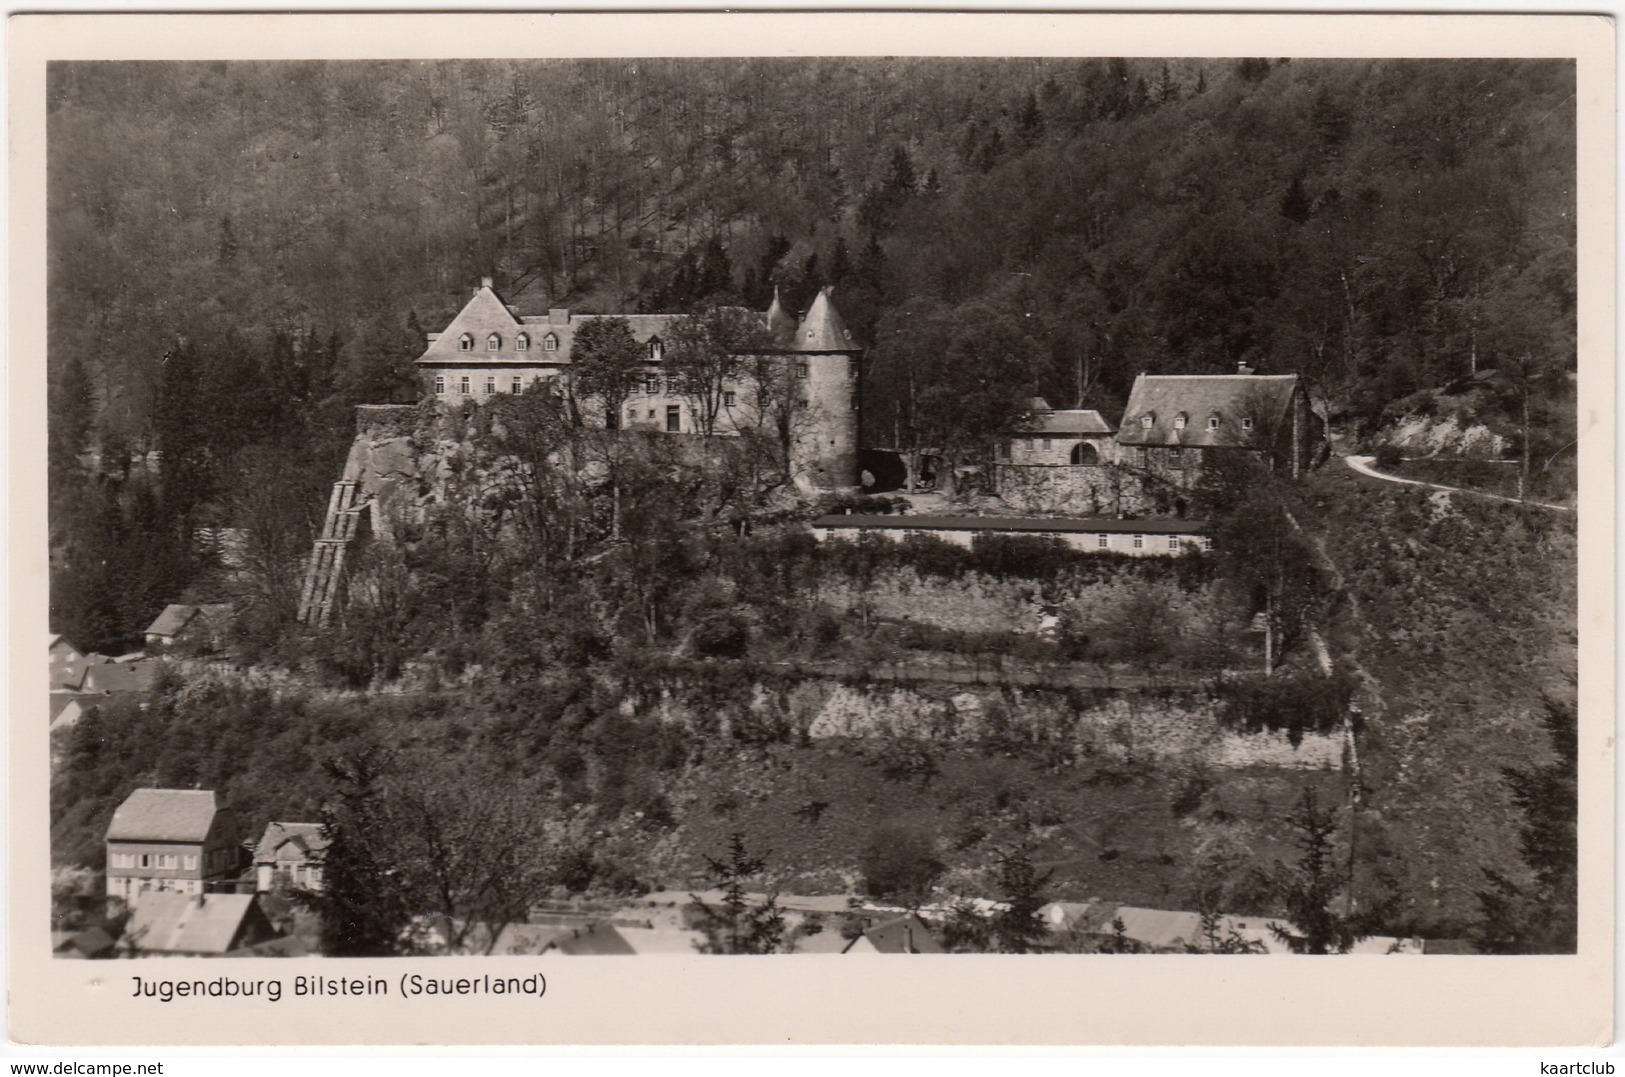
x: 1362, y: 464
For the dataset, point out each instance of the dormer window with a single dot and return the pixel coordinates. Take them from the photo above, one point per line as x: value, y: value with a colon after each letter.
x: 1179, y: 421
x: 1246, y: 424
x: 493, y: 342
x: 1146, y: 421
x: 656, y: 349
x: 465, y: 343
x: 522, y: 343
x: 550, y: 343
x: 1212, y: 422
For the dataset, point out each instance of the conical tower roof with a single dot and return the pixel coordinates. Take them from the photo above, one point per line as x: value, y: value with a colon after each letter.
x: 781, y: 325
x: 822, y: 330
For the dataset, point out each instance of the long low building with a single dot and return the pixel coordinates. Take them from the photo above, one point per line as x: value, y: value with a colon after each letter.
x: 1136, y: 538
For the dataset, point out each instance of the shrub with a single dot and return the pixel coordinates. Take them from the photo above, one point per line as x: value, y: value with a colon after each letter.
x: 899, y: 863
x: 1387, y: 457
x: 721, y: 635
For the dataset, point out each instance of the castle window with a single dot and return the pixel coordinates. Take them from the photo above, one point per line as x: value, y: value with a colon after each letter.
x: 651, y: 384
x: 1176, y: 459
x: 1139, y: 542
x: 191, y: 863
x: 462, y: 386
x: 656, y: 349
x: 465, y: 343
x: 440, y: 386
x: 651, y: 414
x: 671, y: 384
x: 1146, y: 421
x: 518, y: 385
x: 1173, y: 543
x: 146, y: 860
x: 1004, y: 451
x: 550, y: 343
x: 1142, y: 456
x: 1027, y: 444
x: 490, y: 386
x: 493, y: 342
x: 1246, y: 424
x: 522, y: 343
x: 1212, y: 422
x: 674, y: 419
x: 1047, y: 445
x: 1103, y: 542
x: 1207, y: 543
x: 1179, y: 421
x: 801, y: 370
x: 728, y: 399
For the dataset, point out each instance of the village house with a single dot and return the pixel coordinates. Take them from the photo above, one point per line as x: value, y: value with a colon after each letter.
x: 181, y: 841
x: 196, y: 925
x: 193, y: 627
x: 289, y: 856
x: 490, y: 349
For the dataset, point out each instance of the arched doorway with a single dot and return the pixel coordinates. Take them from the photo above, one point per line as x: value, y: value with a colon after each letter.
x: 1085, y: 455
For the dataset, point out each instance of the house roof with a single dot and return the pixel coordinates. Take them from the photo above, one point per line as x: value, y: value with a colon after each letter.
x: 661, y: 940
x: 61, y: 701
x: 781, y: 324
x: 111, y: 677
x: 59, y: 642
x: 90, y: 943
x: 187, y: 923
x: 165, y: 815
x: 1230, y: 398
x: 823, y: 329
x: 1090, y: 525
x: 827, y: 941
x: 1070, y: 421
x: 308, y: 837
x: 599, y: 940
x: 172, y: 620
x: 904, y: 935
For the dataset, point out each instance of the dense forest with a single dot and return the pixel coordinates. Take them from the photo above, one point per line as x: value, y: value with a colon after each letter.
x: 240, y: 252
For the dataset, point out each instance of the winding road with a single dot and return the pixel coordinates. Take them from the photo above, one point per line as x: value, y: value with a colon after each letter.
x: 1362, y: 464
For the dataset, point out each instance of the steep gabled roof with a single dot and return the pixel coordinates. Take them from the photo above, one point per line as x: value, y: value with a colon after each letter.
x: 165, y: 815
x: 904, y: 935
x: 1266, y: 399
x: 307, y: 836
x: 823, y: 329
x: 480, y: 317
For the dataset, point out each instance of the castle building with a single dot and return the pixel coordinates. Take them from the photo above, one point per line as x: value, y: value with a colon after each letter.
x: 1173, y: 422
x: 490, y: 349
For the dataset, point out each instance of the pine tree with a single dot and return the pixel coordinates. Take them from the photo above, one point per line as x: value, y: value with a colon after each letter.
x: 736, y: 925
x: 1311, y: 889
x: 1016, y: 926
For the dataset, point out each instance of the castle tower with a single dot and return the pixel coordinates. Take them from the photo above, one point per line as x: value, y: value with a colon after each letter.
x: 827, y: 359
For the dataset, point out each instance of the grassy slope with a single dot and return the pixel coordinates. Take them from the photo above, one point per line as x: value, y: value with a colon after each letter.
x: 1462, y: 613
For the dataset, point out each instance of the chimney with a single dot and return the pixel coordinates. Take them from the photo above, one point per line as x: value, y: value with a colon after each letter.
x: 1243, y: 368
x: 558, y: 316
x: 485, y: 282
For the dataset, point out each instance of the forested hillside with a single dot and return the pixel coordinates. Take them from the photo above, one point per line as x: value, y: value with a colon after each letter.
x: 1381, y: 226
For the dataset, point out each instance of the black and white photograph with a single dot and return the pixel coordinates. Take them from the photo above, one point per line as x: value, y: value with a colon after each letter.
x: 811, y: 506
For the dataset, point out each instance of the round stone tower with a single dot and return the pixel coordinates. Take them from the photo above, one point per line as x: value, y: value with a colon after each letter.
x: 827, y: 358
